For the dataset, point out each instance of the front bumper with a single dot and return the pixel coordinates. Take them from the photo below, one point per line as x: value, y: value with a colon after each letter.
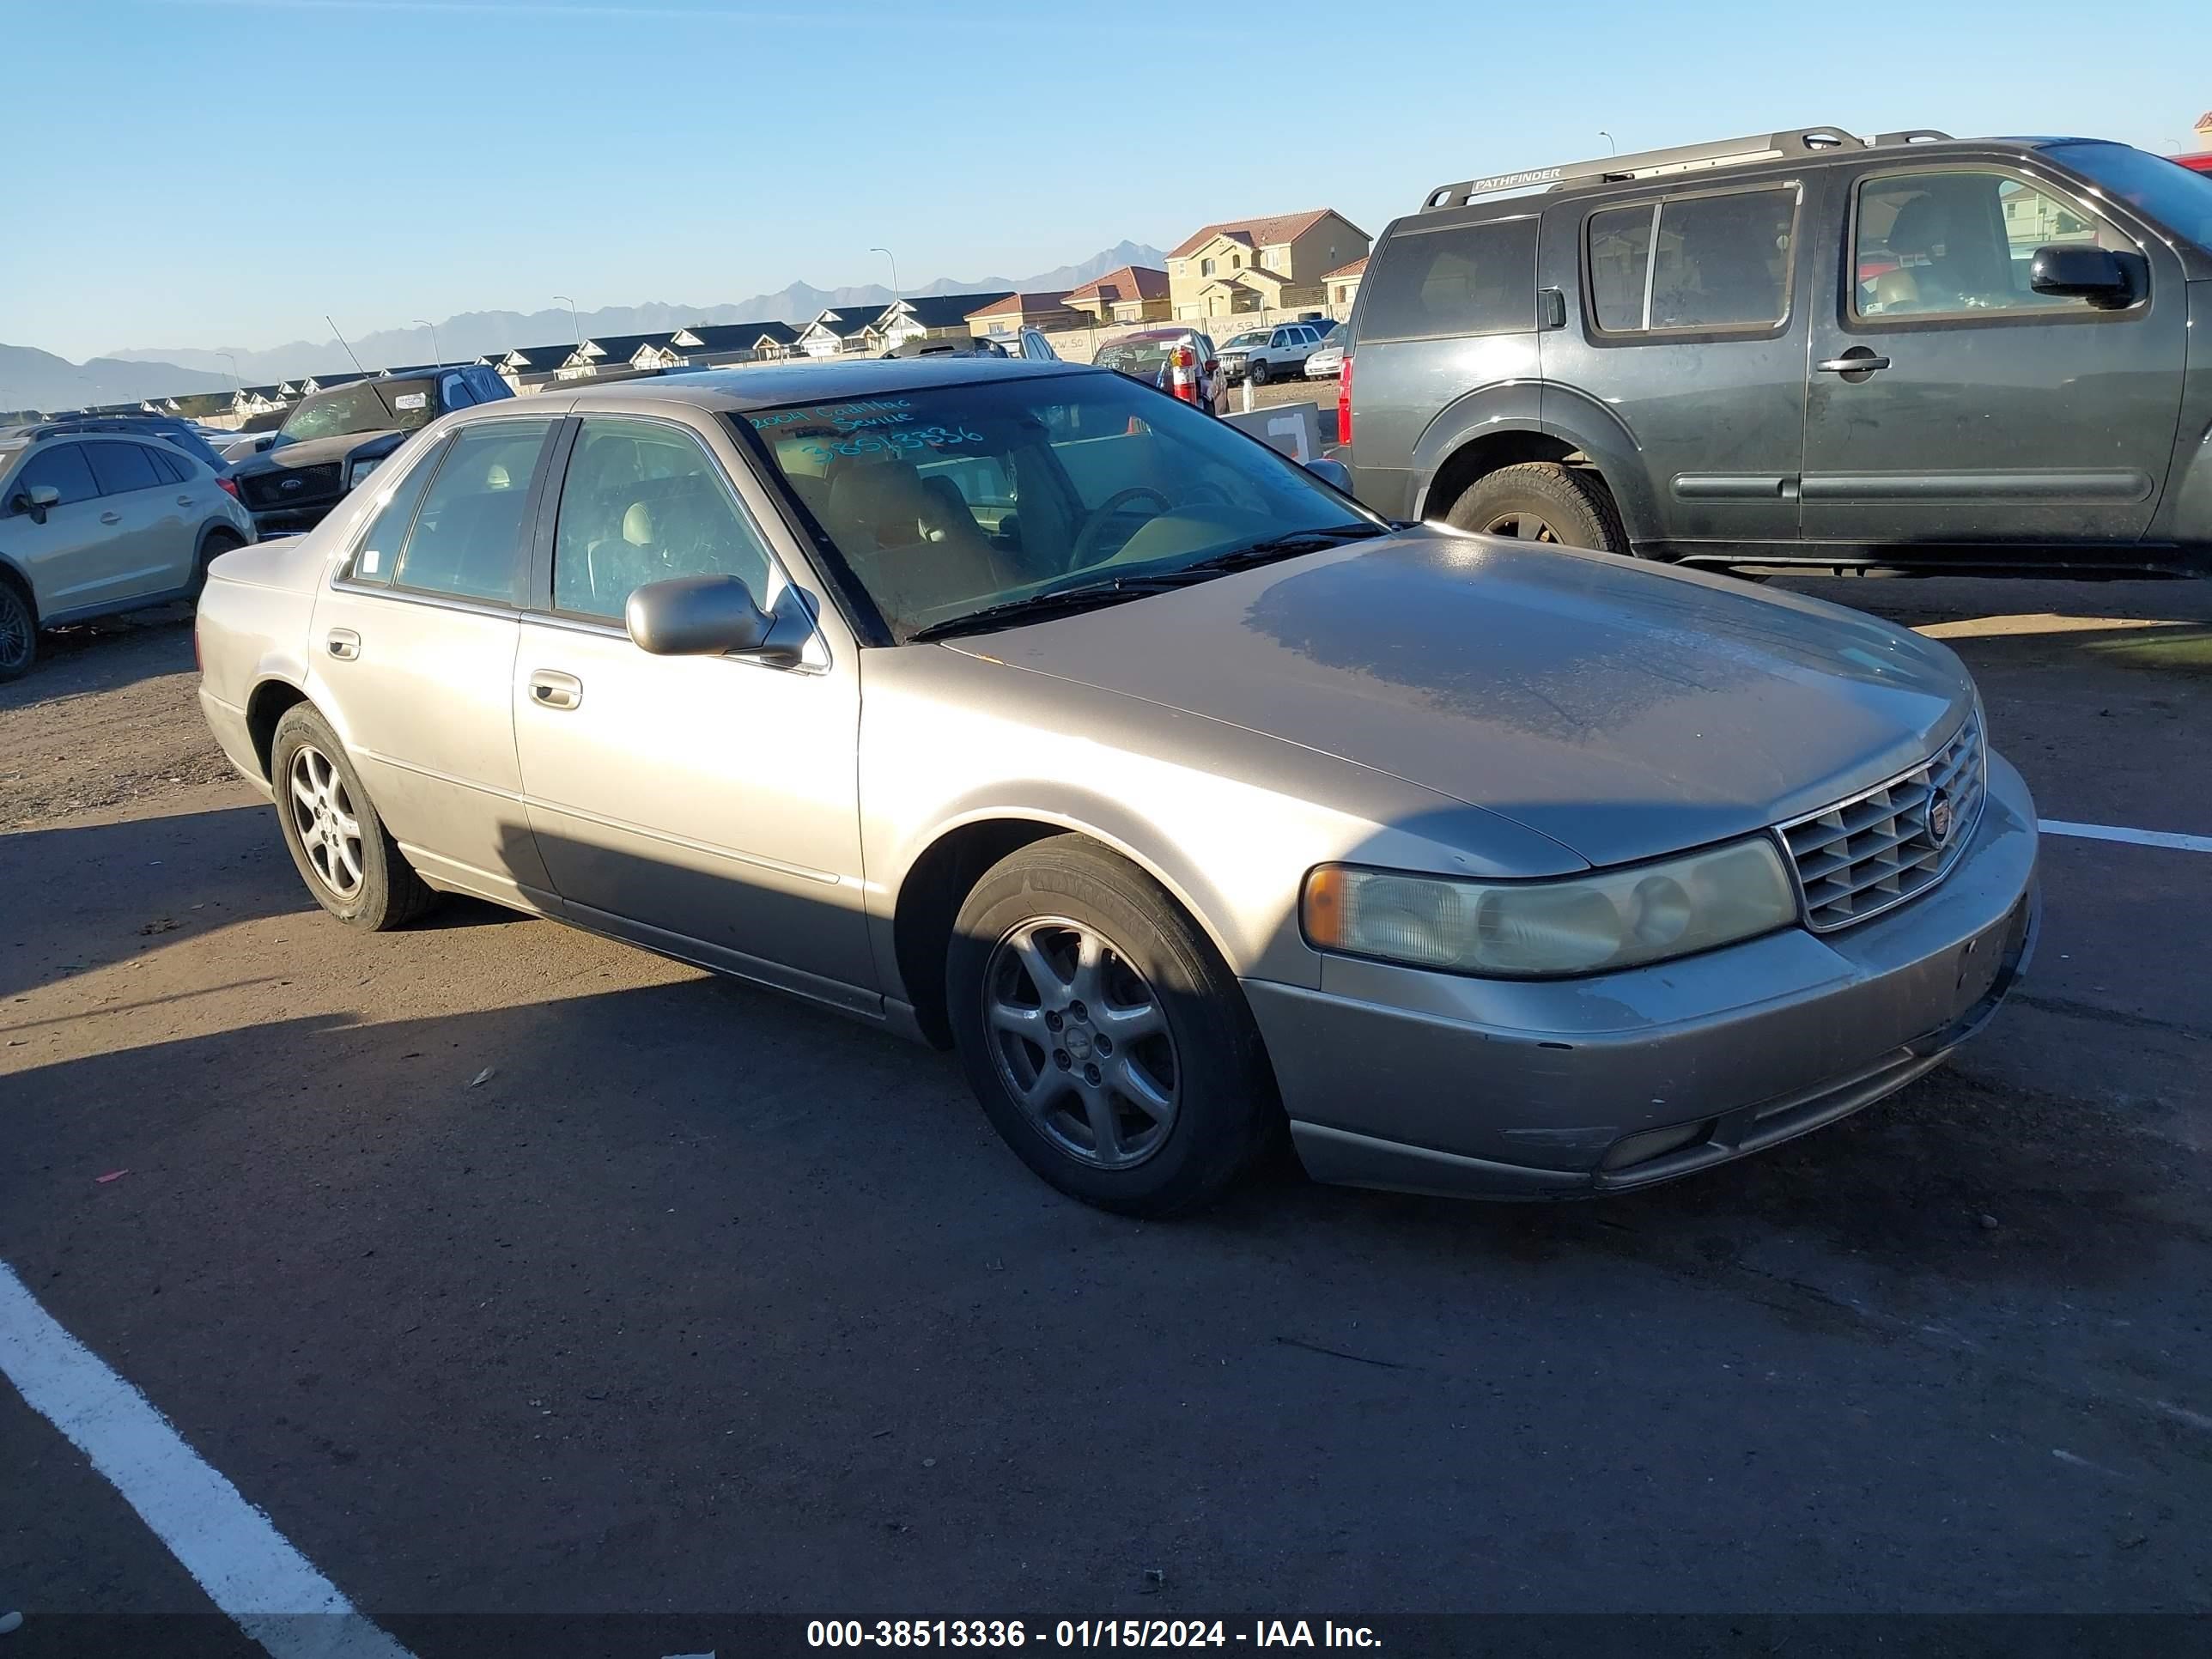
x: 1426, y: 1082
x: 291, y: 520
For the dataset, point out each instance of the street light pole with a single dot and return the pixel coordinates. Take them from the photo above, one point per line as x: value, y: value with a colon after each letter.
x: 237, y: 383
x: 1611, y: 148
x: 893, y: 257
x: 573, y: 318
x: 435, y: 354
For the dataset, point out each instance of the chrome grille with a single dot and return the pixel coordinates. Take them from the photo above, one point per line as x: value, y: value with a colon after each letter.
x: 1862, y: 855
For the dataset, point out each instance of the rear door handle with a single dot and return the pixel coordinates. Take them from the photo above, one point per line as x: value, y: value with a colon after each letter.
x: 551, y: 690
x: 1858, y: 361
x: 345, y: 644
x: 111, y: 518
x: 184, y: 501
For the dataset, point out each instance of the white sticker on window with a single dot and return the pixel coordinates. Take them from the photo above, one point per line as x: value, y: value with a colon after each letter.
x: 411, y: 400
x: 370, y: 558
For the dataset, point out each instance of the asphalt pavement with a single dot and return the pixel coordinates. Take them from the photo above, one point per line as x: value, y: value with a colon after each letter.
x: 513, y: 1274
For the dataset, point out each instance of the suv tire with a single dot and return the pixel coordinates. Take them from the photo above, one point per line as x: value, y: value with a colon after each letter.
x: 1256, y: 370
x: 1155, y: 1007
x: 19, y: 632
x: 1542, y: 501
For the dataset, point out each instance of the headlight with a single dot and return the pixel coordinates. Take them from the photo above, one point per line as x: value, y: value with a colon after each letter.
x: 1592, y: 924
x: 361, y: 470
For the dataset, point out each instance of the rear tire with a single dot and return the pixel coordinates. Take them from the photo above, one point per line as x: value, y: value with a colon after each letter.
x: 218, y: 543
x: 1106, y: 1040
x: 343, y: 852
x: 1542, y: 501
x: 19, y: 632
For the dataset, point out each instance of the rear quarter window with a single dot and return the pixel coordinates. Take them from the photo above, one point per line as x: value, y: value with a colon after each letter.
x: 1464, y: 279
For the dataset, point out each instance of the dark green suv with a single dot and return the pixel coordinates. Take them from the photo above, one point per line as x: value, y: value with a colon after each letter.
x: 1803, y: 348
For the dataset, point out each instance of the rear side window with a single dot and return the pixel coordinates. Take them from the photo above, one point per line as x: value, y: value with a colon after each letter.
x: 172, y: 468
x: 387, y: 530
x: 1692, y: 262
x: 121, y: 468
x: 64, y: 467
x: 1471, y: 279
x: 468, y: 533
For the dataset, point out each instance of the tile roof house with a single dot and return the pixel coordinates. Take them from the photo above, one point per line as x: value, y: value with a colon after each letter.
x: 929, y: 317
x: 1132, y: 294
x: 1012, y: 313
x: 1275, y: 262
x: 1343, y: 283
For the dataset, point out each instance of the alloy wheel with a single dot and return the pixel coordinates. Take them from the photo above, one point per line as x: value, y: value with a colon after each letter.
x: 1080, y: 1041
x: 329, y: 828
x: 1524, y: 526
x: 16, y: 632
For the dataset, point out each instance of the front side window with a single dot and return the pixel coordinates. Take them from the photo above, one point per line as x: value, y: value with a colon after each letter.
x: 1719, y: 261
x: 643, y: 502
x: 469, y: 530
x: 1469, y: 279
x: 61, y: 466
x: 945, y: 502
x: 121, y: 468
x: 1961, y: 243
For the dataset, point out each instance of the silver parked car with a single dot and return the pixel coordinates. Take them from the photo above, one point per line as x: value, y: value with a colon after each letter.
x: 94, y: 522
x: 1020, y: 708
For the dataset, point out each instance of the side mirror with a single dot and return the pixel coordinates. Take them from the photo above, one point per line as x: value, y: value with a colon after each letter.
x: 1336, y: 474
x: 2076, y: 271
x: 35, y: 500
x: 715, y: 616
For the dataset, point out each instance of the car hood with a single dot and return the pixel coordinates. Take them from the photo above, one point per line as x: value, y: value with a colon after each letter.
x: 314, y: 450
x: 1624, y: 710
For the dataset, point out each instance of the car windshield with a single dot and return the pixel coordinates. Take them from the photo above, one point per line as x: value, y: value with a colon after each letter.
x: 949, y: 501
x: 377, y: 406
x: 1248, y: 339
x: 1142, y: 358
x: 2177, y: 199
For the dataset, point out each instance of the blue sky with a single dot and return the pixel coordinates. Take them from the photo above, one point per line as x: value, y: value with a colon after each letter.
x: 225, y: 171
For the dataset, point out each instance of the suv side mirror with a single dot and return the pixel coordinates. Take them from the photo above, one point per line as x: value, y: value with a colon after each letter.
x: 2078, y: 271
x: 715, y: 616
x: 35, y: 500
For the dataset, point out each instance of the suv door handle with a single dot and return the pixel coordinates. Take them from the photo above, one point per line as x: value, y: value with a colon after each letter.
x: 184, y: 501
x: 551, y: 690
x: 1859, y: 360
x: 344, y: 643
x: 111, y: 518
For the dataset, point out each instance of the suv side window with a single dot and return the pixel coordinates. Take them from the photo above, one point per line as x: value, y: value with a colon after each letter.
x: 469, y: 532
x: 1465, y: 279
x: 61, y: 465
x: 1713, y: 261
x: 121, y: 468
x: 171, y: 468
x: 1959, y: 243
x: 455, y: 393
x: 643, y: 502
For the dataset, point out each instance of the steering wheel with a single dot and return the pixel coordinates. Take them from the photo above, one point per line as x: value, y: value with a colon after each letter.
x: 1085, y: 552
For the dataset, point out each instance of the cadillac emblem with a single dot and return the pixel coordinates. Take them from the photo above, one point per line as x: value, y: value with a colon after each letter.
x: 1940, y: 816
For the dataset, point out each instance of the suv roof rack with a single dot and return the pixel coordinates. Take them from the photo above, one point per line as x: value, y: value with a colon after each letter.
x: 1684, y: 158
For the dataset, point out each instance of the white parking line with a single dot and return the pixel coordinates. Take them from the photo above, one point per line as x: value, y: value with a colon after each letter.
x: 2137, y: 837
x: 268, y: 1587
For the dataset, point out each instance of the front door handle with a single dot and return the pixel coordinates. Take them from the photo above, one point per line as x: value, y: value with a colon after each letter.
x: 111, y: 518
x: 345, y: 644
x: 551, y: 690
x: 1854, y: 364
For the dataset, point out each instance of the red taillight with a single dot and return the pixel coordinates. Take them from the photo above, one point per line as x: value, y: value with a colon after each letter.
x: 1344, y: 402
x: 229, y: 487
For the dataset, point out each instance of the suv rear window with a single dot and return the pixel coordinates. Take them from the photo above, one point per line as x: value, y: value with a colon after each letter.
x: 1722, y: 261
x: 1470, y: 279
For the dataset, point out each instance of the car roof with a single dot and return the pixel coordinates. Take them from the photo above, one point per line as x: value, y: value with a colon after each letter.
x: 836, y: 379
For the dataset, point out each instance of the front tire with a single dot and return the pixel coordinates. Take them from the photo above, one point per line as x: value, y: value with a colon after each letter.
x: 1107, y: 1042
x: 1256, y: 373
x: 1542, y: 501
x: 19, y: 632
x: 346, y: 856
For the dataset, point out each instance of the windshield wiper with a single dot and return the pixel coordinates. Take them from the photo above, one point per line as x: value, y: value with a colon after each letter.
x: 1286, y: 546
x: 1086, y: 596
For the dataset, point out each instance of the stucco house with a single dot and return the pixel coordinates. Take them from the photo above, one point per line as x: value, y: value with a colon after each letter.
x: 1131, y: 294
x: 1010, y: 313
x: 1342, y: 285
x: 1273, y: 263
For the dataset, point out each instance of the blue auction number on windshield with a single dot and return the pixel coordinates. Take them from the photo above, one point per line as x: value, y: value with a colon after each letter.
x: 895, y: 441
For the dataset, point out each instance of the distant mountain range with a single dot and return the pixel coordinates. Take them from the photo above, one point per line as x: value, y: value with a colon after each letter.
x: 473, y: 333
x: 30, y: 379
